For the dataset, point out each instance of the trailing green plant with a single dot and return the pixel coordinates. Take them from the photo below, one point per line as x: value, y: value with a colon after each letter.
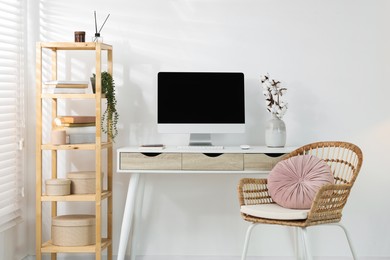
x: 110, y: 116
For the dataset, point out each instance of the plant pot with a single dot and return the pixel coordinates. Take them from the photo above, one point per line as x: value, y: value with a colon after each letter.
x: 275, y: 132
x: 93, y: 83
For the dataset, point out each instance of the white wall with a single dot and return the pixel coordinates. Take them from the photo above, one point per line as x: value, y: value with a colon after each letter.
x: 333, y: 56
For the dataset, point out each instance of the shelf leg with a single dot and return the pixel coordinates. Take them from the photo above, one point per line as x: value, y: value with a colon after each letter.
x: 128, y: 215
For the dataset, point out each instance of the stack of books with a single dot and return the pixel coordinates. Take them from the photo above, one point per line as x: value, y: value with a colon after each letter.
x: 63, y: 87
x: 75, y: 121
x: 79, y: 129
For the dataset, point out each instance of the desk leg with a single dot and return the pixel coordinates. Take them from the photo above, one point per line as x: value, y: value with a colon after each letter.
x: 128, y: 215
x: 137, y: 217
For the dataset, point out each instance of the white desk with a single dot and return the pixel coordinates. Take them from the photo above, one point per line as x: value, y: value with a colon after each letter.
x: 231, y: 160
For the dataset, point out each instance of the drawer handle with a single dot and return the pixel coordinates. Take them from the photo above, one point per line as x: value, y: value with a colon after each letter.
x: 213, y: 154
x: 151, y: 154
x: 274, y: 154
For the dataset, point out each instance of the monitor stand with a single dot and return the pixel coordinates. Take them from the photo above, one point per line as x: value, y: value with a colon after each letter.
x: 200, y: 140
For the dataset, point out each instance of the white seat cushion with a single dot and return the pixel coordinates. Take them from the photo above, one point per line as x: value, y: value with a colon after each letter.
x: 274, y: 211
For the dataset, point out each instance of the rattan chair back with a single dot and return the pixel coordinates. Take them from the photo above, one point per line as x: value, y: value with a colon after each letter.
x: 345, y: 159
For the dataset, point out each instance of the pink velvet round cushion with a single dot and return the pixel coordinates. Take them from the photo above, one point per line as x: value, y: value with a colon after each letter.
x: 294, y: 182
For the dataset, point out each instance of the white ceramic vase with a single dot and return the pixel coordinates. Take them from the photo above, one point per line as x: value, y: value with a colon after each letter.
x: 275, y: 132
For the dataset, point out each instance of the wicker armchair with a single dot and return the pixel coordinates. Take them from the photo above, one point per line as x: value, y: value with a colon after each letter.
x: 345, y: 160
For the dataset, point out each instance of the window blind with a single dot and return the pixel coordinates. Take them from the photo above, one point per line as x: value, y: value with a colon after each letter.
x: 11, y: 111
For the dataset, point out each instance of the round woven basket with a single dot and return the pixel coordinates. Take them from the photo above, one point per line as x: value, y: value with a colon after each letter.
x: 57, y: 187
x: 83, y: 182
x: 73, y: 230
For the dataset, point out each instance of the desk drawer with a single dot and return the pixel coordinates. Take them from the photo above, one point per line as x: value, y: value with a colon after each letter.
x: 213, y: 162
x: 260, y: 162
x: 150, y: 161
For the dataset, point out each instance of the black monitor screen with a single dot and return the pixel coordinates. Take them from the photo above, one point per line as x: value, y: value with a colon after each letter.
x: 200, y: 98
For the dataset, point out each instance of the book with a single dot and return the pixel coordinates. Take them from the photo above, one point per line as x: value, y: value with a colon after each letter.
x: 82, y: 138
x: 77, y: 124
x: 80, y: 130
x: 66, y: 84
x: 59, y: 121
x: 152, y: 147
x: 64, y: 90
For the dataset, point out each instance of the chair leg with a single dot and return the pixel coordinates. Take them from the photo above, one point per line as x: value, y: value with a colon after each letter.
x: 306, y: 244
x: 247, y: 237
x: 348, y: 239
x: 298, y: 244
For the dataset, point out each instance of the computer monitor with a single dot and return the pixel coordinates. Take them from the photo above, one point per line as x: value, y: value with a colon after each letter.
x: 200, y: 103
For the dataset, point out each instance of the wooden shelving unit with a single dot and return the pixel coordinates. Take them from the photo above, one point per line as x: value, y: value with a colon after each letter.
x: 100, y: 195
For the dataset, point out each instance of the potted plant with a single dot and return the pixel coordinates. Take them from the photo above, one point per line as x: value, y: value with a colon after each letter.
x: 110, y: 116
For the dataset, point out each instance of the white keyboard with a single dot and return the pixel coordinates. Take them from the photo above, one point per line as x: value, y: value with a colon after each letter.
x: 200, y: 147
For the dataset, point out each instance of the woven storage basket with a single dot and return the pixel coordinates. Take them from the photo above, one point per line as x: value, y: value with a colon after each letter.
x: 73, y: 230
x: 82, y: 182
x: 57, y: 187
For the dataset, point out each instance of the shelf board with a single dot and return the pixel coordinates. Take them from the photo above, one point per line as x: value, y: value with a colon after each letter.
x: 70, y: 96
x: 48, y: 247
x: 74, y: 45
x: 92, y: 146
x: 76, y: 197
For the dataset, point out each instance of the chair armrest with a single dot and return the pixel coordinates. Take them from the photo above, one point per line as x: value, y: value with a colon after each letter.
x: 329, y: 202
x: 253, y: 191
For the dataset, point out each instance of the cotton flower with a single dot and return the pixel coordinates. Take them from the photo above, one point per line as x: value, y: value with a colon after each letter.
x: 273, y: 92
x: 283, y: 104
x: 267, y: 85
x: 274, y: 109
x: 264, y: 78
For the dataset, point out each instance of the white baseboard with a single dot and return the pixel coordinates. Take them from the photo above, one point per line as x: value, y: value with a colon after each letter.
x: 249, y: 258
x: 88, y: 256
